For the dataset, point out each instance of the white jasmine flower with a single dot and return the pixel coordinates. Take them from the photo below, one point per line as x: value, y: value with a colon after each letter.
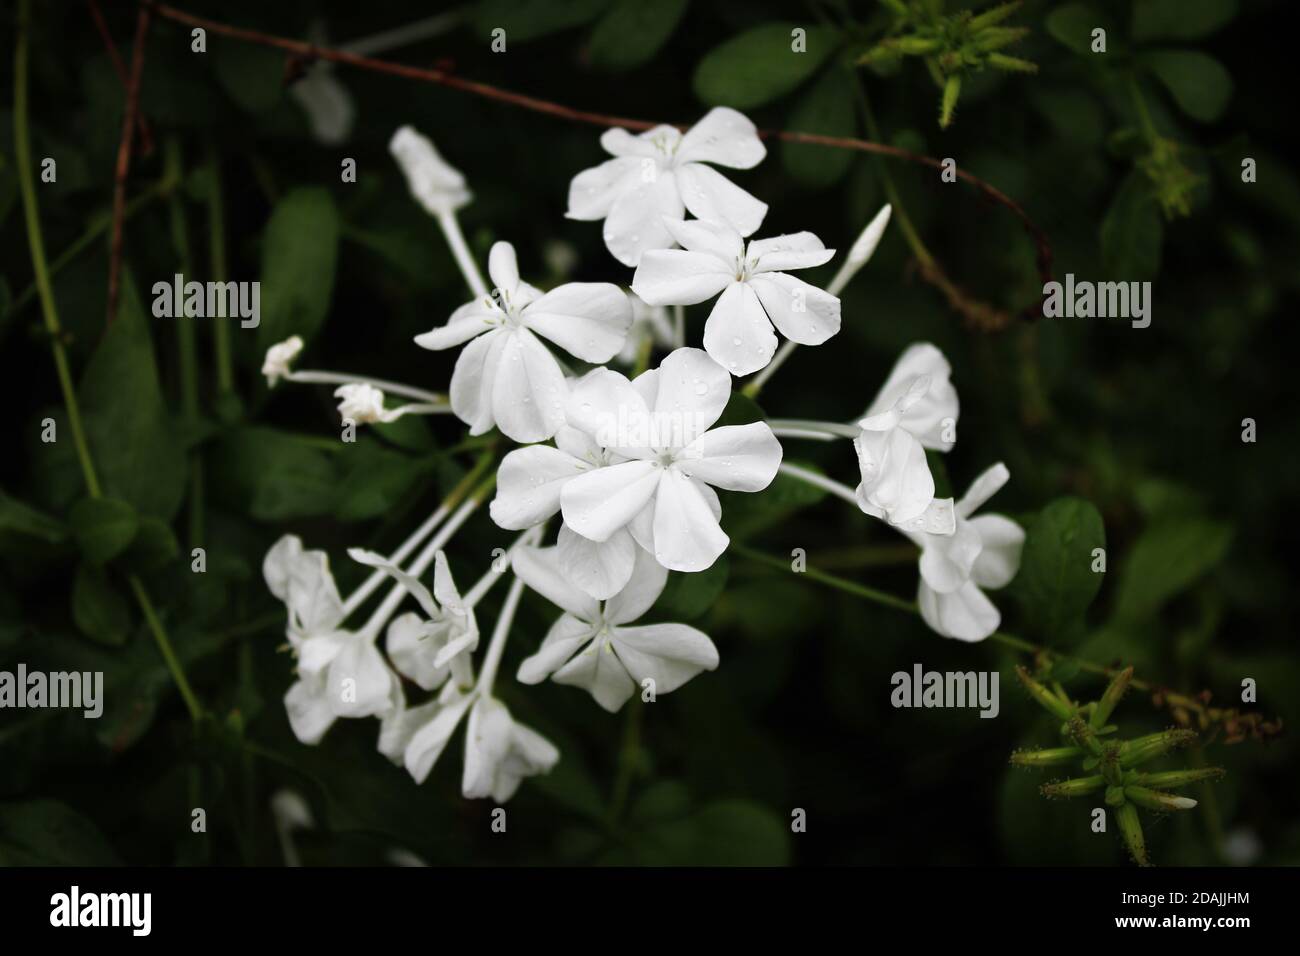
x: 529, y: 482
x: 438, y: 187
x: 364, y: 404
x: 756, y: 291
x: 427, y: 649
x: 648, y: 322
x: 506, y: 376
x: 661, y: 424
x: 661, y: 173
x: 278, y: 359
x: 915, y: 409
x: 592, y: 645
x: 982, y: 552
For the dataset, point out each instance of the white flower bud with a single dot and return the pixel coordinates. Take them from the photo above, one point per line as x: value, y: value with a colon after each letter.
x: 362, y: 403
x: 439, y: 188
x: 278, y: 357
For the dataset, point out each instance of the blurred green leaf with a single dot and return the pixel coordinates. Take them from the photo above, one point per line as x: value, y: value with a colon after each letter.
x: 1199, y: 83
x: 103, y: 527
x: 50, y: 833
x: 1132, y: 232
x: 1072, y: 24
x: 1180, y: 19
x: 530, y: 19
x: 1168, y: 558
x: 1056, y: 582
x: 100, y: 612
x: 274, y: 474
x: 19, y: 518
x: 826, y: 108
x: 252, y: 75
x: 757, y: 66
x: 688, y: 596
x: 154, y: 547
x: 632, y: 31
x: 299, y: 254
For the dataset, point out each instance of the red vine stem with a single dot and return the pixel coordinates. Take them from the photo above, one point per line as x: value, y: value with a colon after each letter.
x: 124, y: 161
x: 977, y: 313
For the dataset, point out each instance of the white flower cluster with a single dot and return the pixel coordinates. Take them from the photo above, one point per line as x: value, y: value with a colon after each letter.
x: 628, y: 465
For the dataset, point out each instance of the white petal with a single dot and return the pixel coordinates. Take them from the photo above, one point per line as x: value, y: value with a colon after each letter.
x: 528, y: 485
x: 983, y: 488
x: 471, y: 381
x: 317, y: 652
x: 503, y: 267
x: 668, y: 654
x: 946, y: 562
x: 710, y: 195
x: 693, y: 388
x: 327, y: 103
x: 966, y: 614
x: 725, y: 137
x: 412, y: 648
x: 400, y: 726
x: 539, y: 568
x: 619, y: 142
x: 487, y: 740
x: 529, y: 392
x: 600, y: 502
x: 738, y: 334
x: 801, y: 312
x: 564, y: 638
x: 895, y: 474
x: 680, y: 277
x: 709, y: 237
x: 687, y: 535
x: 605, y: 405
x: 303, y: 581
x: 428, y: 743
x: 309, y: 712
x: 599, y: 568
x: 797, y: 250
x: 444, y: 588
x: 998, y: 562
x: 471, y: 319
x: 593, y: 191
x: 599, y: 671
x: 644, y: 585
x: 927, y: 419
x: 635, y: 222
x: 412, y: 584
x: 359, y: 680
x: 587, y: 319
x: 576, y: 442
x: 735, y: 457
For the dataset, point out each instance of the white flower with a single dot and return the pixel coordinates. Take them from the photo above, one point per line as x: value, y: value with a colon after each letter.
x: 662, y: 173
x: 364, y: 404
x: 592, y: 645
x: 327, y: 103
x: 341, y: 673
x: 529, y: 482
x: 506, y: 376
x: 437, y: 186
x: 916, y: 409
x: 661, y: 424
x: 278, y: 358
x: 756, y: 292
x: 427, y: 649
x: 982, y: 552
x: 648, y: 322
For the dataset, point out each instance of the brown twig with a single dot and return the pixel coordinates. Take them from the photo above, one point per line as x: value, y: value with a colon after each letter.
x: 146, y: 138
x: 980, y: 315
x: 124, y: 160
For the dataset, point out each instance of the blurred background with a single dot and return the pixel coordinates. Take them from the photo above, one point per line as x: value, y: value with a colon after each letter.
x: 1130, y: 161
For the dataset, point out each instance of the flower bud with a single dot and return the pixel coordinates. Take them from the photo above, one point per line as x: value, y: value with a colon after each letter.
x: 1076, y: 787
x: 1156, y: 800
x: 278, y: 357
x: 439, y: 187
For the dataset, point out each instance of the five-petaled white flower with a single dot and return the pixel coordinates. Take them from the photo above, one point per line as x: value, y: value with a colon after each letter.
x: 506, y: 376
x: 662, y: 173
x: 592, y: 645
x: 916, y: 409
x: 982, y: 552
x: 756, y: 292
x: 438, y: 187
x: 661, y: 423
x: 278, y: 359
x: 340, y: 672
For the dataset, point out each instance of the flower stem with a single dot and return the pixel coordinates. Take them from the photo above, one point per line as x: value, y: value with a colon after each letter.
x: 679, y: 326
x: 836, y: 429
x: 484, y: 584
x: 165, y: 648
x: 820, y: 481
x: 492, y: 659
x: 456, y: 240
x: 314, y: 377
x: 372, y: 583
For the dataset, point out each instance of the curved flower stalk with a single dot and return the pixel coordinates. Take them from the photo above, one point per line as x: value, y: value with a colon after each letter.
x: 662, y: 173
x: 505, y: 376
x: 756, y: 291
x: 593, y: 645
x: 362, y: 398
x: 363, y: 403
x: 981, y: 552
x: 661, y: 423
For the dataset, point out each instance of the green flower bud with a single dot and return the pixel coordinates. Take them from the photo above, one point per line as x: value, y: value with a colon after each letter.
x: 1114, y: 693
x: 1130, y: 827
x: 994, y: 15
x: 1139, y: 751
x: 1049, y: 701
x: 1076, y: 787
x: 1156, y: 800
x: 1176, y: 778
x: 1051, y: 757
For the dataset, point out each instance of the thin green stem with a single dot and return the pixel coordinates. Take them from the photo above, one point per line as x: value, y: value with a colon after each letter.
x: 1144, y: 116
x: 217, y: 253
x: 627, y: 759
x: 165, y: 648
x: 186, y: 346
x: 831, y: 580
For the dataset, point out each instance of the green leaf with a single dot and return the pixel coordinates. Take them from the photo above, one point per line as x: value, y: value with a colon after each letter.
x: 1056, y: 582
x: 632, y: 31
x: 49, y: 833
x: 103, y: 527
x: 274, y: 475
x: 525, y: 20
x: 744, y: 515
x: 19, y: 518
x: 100, y: 612
x: 252, y: 75
x: 1180, y: 19
x: 130, y: 435
x: 299, y: 254
x: 689, y: 595
x: 760, y: 64
x: 826, y: 108
x: 1071, y: 24
x: 376, y: 480
x: 1132, y: 232
x: 1198, y: 83
x: 1168, y: 558
x: 154, y: 546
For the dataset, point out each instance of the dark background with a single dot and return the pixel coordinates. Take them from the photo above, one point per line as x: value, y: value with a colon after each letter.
x: 1143, y: 424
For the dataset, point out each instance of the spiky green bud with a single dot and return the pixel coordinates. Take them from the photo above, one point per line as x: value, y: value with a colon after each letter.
x: 1157, y: 800
x: 1051, y: 757
x: 1075, y: 787
x: 1130, y: 827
